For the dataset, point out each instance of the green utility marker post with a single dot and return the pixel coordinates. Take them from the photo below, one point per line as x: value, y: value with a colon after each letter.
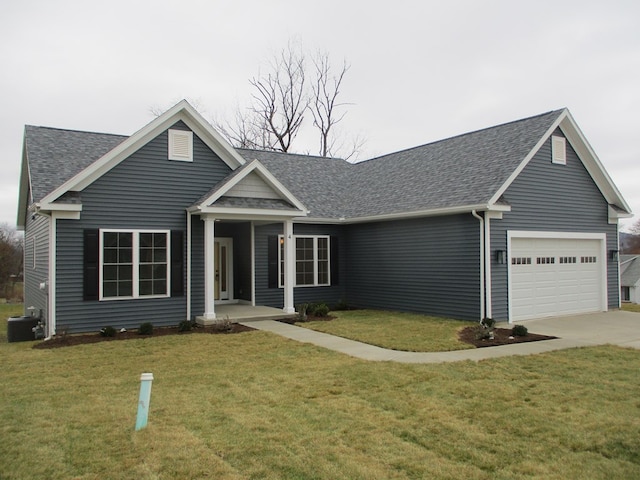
x: 143, y: 403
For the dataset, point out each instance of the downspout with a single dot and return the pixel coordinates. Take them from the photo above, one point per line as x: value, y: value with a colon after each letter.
x: 482, y: 255
x: 487, y: 268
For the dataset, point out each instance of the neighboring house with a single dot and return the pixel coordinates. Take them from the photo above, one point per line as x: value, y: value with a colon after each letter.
x: 511, y: 222
x: 630, y: 278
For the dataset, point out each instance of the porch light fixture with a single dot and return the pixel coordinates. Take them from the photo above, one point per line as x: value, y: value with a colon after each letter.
x: 501, y: 257
x: 281, y: 240
x: 614, y: 255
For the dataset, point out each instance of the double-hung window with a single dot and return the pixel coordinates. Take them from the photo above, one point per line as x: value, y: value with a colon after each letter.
x: 134, y: 264
x: 312, y: 254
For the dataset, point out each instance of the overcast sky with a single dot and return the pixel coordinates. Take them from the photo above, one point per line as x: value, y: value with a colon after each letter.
x: 420, y: 71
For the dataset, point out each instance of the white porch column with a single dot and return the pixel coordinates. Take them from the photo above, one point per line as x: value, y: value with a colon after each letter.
x: 289, y: 267
x: 209, y: 269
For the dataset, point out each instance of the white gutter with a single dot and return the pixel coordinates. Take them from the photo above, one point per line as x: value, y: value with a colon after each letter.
x: 482, y: 257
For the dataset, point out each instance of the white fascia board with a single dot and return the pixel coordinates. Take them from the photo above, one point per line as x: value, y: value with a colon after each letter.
x: 584, y: 151
x: 420, y: 213
x: 59, y: 207
x: 24, y: 189
x: 266, y: 176
x: 494, y: 210
x: 181, y: 111
x: 248, y: 214
x: 591, y: 162
x: 528, y: 158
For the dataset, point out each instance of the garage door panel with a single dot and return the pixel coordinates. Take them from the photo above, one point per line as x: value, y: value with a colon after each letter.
x: 564, y: 276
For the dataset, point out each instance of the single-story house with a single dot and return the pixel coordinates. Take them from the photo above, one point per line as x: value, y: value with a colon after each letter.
x: 512, y: 222
x: 630, y: 278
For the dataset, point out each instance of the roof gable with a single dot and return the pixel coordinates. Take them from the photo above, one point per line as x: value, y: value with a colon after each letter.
x: 250, y: 186
x: 458, y: 174
x: 180, y: 112
x: 587, y: 156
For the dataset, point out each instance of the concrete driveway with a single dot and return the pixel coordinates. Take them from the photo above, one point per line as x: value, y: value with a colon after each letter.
x: 615, y: 327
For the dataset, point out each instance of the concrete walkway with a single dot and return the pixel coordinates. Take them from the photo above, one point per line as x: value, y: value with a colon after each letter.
x: 618, y: 328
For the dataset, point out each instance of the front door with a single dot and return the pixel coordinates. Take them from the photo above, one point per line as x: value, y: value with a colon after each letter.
x: 223, y: 258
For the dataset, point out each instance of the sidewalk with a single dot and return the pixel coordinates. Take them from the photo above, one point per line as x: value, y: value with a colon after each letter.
x: 365, y: 351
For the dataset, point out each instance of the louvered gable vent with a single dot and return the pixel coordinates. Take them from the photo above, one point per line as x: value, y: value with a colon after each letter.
x: 181, y: 145
x: 559, y: 150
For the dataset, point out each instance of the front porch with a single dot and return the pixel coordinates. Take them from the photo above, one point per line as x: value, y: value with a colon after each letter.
x: 245, y: 313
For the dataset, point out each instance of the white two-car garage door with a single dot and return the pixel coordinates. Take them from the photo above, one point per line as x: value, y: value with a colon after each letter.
x: 556, y: 276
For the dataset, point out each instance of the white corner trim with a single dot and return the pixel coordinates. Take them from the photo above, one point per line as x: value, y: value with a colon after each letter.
x: 51, y: 293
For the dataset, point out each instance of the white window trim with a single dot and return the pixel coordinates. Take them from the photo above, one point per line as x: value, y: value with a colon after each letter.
x: 315, y: 261
x: 173, y: 155
x: 135, y: 245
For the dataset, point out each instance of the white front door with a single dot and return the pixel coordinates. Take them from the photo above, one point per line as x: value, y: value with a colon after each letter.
x: 223, y: 261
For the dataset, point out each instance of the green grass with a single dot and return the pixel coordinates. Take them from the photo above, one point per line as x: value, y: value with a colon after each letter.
x: 395, y: 330
x: 255, y: 405
x: 631, y: 307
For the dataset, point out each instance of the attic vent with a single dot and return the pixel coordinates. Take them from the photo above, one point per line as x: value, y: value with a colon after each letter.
x: 181, y: 145
x: 558, y: 150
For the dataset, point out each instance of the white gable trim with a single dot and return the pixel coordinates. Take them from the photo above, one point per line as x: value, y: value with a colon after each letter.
x: 259, y: 169
x: 181, y: 111
x: 584, y: 151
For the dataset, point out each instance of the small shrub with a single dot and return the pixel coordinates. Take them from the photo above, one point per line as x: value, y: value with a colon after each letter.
x: 488, y: 323
x: 321, y: 310
x: 185, y: 326
x: 483, y: 333
x: 301, y: 310
x: 341, y: 305
x: 222, y: 325
x: 108, y: 331
x: 145, y: 328
x: 519, y: 331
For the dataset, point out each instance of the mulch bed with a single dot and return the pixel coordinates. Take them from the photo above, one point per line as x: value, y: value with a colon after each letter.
x: 501, y: 336
x: 81, y: 339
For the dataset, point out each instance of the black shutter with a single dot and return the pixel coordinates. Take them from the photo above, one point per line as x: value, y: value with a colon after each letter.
x: 90, y: 264
x: 335, y: 261
x: 177, y: 263
x: 272, y: 259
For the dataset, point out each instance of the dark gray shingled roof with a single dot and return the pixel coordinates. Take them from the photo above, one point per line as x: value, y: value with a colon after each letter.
x: 57, y: 155
x: 630, y: 270
x: 459, y: 171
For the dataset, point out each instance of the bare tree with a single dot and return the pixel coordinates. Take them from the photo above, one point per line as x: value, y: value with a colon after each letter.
x: 280, y: 99
x: 634, y: 239
x: 325, y: 108
x: 11, y: 248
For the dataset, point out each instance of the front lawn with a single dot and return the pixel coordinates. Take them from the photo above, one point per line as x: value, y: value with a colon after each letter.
x: 631, y: 307
x: 255, y: 405
x: 398, y: 331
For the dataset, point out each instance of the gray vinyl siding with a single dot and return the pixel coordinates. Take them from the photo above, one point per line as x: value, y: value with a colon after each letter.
x: 274, y: 297
x: 36, y: 243
x: 428, y: 265
x: 551, y: 197
x: 145, y: 191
